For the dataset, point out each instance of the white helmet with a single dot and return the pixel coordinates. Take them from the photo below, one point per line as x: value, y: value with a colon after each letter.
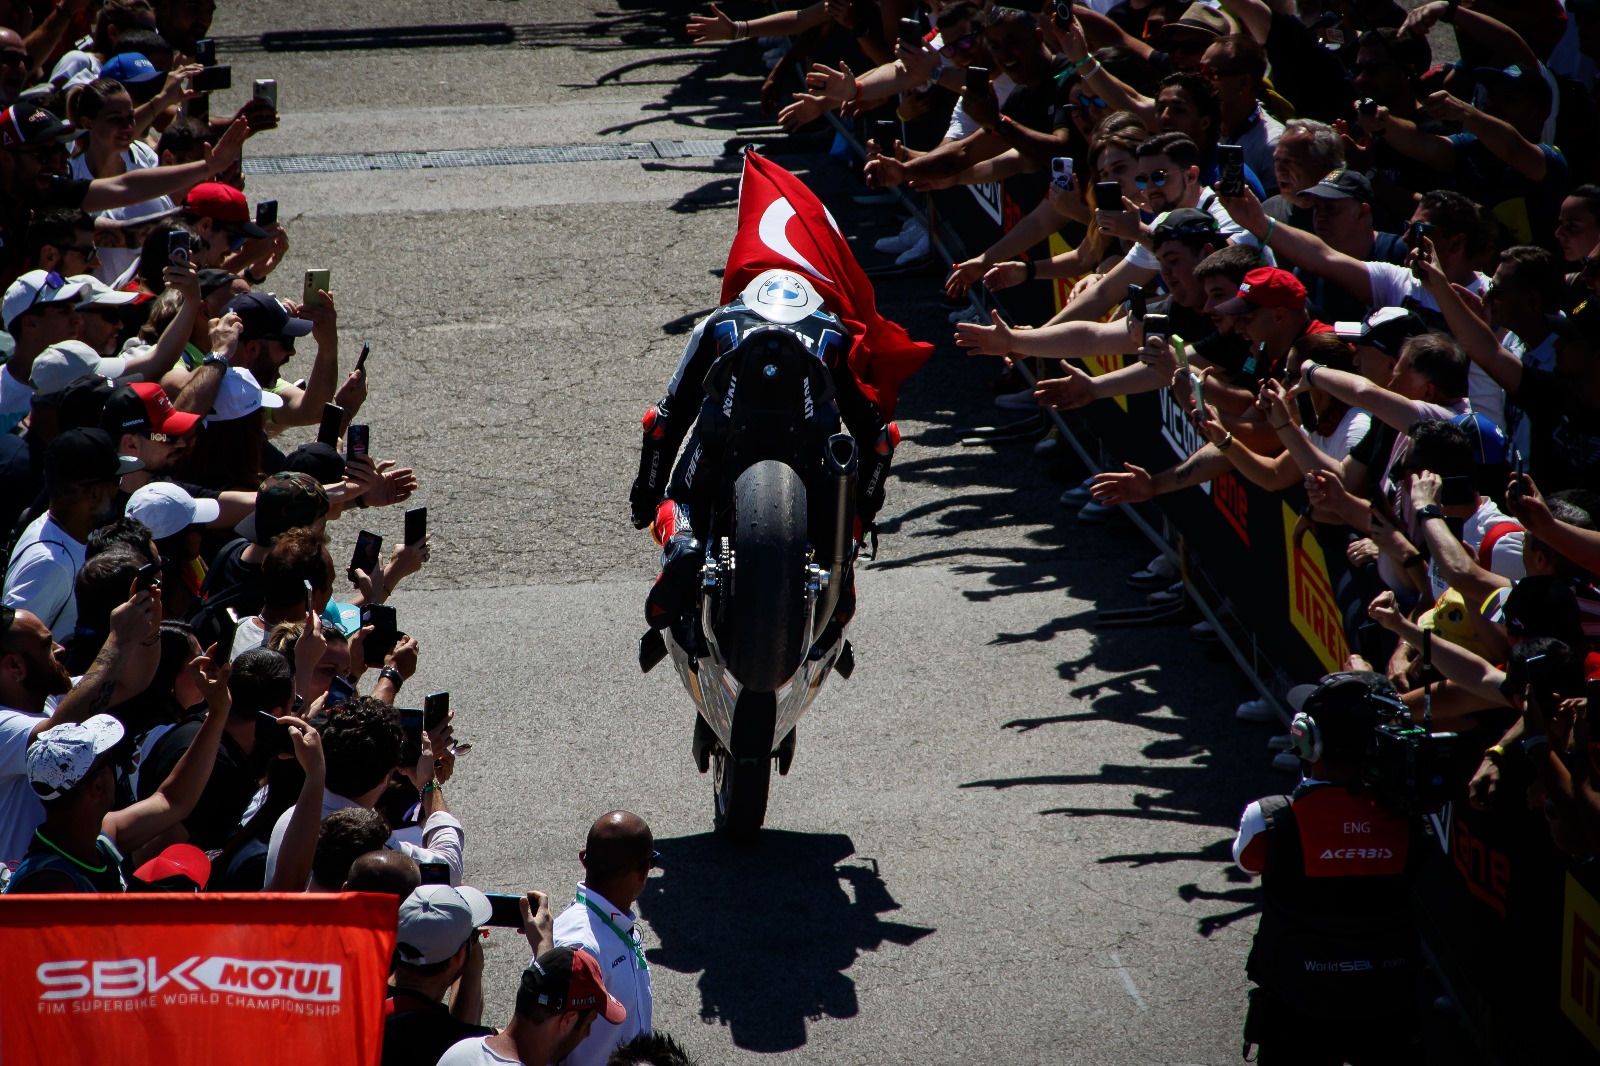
x: 781, y: 296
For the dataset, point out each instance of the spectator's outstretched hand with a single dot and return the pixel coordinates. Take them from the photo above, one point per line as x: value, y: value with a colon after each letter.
x: 708, y: 29
x: 1245, y: 209
x: 537, y: 925
x: 1386, y: 613
x: 210, y: 673
x: 1209, y: 425
x: 225, y: 153
x: 1071, y: 390
x: 1526, y: 503
x: 838, y: 87
x: 1131, y: 484
x: 993, y: 339
x: 1005, y: 275
x: 1362, y: 552
x: 1421, y: 19
x: 173, y: 90
x: 805, y: 109
x: 962, y: 275
x: 884, y: 173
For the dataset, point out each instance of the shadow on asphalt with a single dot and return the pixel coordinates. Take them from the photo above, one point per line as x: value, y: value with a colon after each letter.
x: 771, y: 928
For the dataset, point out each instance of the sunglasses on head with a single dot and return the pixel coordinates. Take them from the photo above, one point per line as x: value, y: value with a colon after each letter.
x: 1158, y: 178
x: 52, y: 280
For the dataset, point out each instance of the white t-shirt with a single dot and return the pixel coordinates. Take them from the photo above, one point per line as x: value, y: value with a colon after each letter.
x: 43, y: 567
x: 250, y: 634
x: 474, y: 1052
x: 962, y: 124
x: 139, y: 156
x: 75, y: 64
x: 1505, y: 556
x: 1396, y: 286
x: 16, y: 396
x: 1350, y: 431
x: 20, y: 810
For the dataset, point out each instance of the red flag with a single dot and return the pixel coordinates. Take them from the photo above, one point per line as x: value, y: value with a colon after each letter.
x: 782, y: 225
x: 254, y: 979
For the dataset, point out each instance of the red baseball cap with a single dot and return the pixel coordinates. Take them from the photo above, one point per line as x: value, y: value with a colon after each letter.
x: 222, y: 203
x: 143, y: 407
x: 1265, y: 287
x: 568, y: 978
x: 180, y: 861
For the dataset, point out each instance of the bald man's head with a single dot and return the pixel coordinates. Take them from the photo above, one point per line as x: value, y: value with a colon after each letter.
x: 14, y: 64
x: 619, y: 843
x: 393, y: 872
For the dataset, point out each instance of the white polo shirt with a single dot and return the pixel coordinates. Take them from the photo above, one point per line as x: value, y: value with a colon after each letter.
x: 610, y: 937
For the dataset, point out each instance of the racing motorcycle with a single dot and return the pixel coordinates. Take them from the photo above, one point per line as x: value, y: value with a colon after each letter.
x: 767, y: 625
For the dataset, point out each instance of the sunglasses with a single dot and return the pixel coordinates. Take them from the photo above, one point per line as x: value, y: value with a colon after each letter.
x: 964, y: 43
x: 1158, y: 178
x: 52, y: 280
x: 88, y: 251
x: 1085, y: 102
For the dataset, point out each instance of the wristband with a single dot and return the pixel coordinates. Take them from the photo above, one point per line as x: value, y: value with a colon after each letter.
x: 1537, y: 741
x: 1494, y: 753
x: 390, y: 674
x: 431, y: 786
x: 1272, y: 224
x: 1227, y: 442
x: 1089, y: 72
x: 1305, y: 371
x: 1431, y: 511
x: 1032, y: 270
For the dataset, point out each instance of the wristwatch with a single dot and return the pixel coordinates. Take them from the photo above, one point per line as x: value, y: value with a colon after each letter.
x: 1430, y: 511
x: 216, y: 359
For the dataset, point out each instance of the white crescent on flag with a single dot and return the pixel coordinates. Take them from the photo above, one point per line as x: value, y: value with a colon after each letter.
x: 774, y: 234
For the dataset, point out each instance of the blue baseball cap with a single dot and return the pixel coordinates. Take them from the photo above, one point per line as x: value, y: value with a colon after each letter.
x: 1488, y: 440
x: 130, y: 68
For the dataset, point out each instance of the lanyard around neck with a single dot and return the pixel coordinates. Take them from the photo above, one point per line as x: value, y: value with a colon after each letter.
x: 626, y: 938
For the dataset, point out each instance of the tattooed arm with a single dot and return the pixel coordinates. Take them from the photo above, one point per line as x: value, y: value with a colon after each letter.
x: 124, y: 668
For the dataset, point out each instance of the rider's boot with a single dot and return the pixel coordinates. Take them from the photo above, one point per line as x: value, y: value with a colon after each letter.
x: 655, y: 466
x: 682, y: 559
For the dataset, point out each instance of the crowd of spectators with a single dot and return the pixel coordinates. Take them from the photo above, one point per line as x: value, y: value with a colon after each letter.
x: 1366, y: 277
x: 193, y: 696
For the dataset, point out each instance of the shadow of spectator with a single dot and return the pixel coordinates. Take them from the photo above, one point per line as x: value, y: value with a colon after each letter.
x: 771, y: 928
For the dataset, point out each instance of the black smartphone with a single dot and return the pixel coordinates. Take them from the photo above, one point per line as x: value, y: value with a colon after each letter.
x: 361, y: 360
x: 178, y: 245
x: 435, y: 709
x: 1514, y: 489
x: 1230, y: 170
x: 1367, y: 108
x: 267, y: 213
x: 437, y: 873
x: 365, y: 555
x: 1136, y: 302
x: 385, y: 632
x: 272, y: 736
x: 506, y: 910
x: 332, y: 426
x: 885, y: 131
x: 1457, y: 492
x: 416, y: 525
x: 1368, y: 644
x: 1063, y: 14
x: 148, y: 577
x: 340, y: 690
x: 212, y: 79
x: 1308, y: 412
x: 1108, y: 196
x: 1591, y: 693
x: 1156, y: 326
x: 911, y: 32
x: 205, y: 51
x: 411, y: 735
x: 358, y: 441
x: 1541, y: 683
x: 977, y: 81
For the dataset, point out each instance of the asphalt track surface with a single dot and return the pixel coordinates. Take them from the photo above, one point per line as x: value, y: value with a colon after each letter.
x: 1006, y: 839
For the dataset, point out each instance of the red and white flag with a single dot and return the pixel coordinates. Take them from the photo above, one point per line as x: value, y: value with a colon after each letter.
x: 782, y: 225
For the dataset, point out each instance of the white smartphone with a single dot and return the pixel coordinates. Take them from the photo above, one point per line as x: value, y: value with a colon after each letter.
x: 266, y: 90
x: 1061, y: 171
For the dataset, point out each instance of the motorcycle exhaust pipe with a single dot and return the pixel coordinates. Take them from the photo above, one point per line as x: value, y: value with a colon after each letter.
x: 840, y: 458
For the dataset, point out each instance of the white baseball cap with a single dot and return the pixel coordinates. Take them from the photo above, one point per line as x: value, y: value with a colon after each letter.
x: 165, y: 509
x: 240, y: 395
x: 62, y: 756
x: 96, y: 293
x: 435, y: 920
x: 35, y: 289
x: 63, y: 364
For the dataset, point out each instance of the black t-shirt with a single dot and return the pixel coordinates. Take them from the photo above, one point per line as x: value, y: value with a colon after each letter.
x: 418, y: 1031
x: 231, y: 577
x: 14, y: 219
x: 228, y: 792
x: 1564, y: 432
x: 1038, y: 107
x: 1306, y: 73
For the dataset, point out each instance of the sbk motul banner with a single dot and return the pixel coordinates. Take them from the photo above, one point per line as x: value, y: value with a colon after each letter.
x: 782, y: 225
x: 151, y: 980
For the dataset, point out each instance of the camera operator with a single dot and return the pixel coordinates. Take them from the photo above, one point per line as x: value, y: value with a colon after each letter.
x: 1335, y: 956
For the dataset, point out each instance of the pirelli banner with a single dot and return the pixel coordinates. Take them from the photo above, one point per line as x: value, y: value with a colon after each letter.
x: 152, y: 980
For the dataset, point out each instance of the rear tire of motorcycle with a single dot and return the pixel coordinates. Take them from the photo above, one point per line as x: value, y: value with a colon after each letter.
x: 765, y: 628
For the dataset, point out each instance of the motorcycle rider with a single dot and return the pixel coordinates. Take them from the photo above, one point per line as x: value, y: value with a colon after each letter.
x: 775, y: 301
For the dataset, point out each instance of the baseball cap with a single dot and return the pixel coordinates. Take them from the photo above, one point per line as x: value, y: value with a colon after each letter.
x: 62, y: 364
x: 286, y: 500
x: 567, y: 978
x: 222, y: 203
x: 1386, y: 329
x: 263, y: 316
x: 143, y: 407
x: 1265, y: 287
x: 1342, y: 185
x: 130, y: 68
x: 25, y: 124
x: 321, y: 461
x: 179, y: 868
x: 212, y: 279
x: 35, y: 289
x: 1181, y: 222
x: 239, y: 396
x: 1488, y: 440
x: 62, y: 756
x: 96, y: 293
x: 1527, y: 80
x: 85, y: 455
x: 165, y: 509
x: 435, y: 920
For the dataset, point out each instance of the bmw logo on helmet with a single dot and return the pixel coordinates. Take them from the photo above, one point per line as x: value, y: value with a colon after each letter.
x: 782, y: 296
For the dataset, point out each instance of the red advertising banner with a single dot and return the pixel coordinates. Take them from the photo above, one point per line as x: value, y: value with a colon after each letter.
x: 155, y: 979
